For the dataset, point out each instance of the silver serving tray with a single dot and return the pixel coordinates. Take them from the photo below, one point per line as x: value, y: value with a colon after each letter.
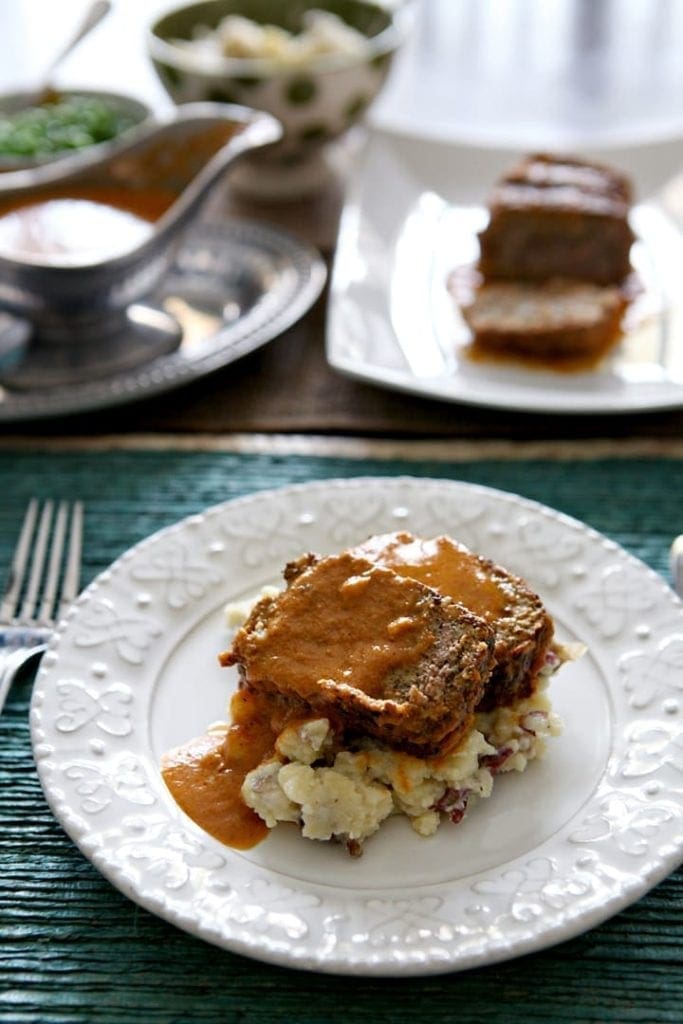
x: 232, y: 288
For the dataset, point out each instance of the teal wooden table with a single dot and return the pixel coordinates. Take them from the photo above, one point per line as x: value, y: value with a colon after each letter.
x: 73, y: 949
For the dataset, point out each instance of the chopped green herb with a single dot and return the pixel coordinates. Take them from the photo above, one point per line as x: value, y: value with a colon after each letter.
x: 71, y: 123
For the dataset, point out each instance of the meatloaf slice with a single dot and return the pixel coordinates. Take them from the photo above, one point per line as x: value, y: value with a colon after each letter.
x: 523, y: 628
x: 553, y: 217
x: 554, y: 321
x: 378, y: 653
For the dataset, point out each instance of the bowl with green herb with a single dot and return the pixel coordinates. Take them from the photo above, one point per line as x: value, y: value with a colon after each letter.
x: 62, y: 124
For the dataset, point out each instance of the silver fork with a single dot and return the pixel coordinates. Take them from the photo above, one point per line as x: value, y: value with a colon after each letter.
x: 43, y: 580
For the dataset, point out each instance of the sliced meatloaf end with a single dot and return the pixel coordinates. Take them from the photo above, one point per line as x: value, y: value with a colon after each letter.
x: 524, y: 635
x: 378, y: 653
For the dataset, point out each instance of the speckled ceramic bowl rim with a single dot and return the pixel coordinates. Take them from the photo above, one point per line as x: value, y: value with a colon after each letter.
x: 383, y: 43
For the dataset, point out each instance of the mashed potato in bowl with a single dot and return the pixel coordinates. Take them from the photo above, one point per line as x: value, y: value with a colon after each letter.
x: 323, y: 35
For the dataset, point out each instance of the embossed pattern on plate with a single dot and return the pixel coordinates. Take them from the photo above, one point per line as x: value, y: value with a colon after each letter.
x: 233, y: 287
x: 580, y: 835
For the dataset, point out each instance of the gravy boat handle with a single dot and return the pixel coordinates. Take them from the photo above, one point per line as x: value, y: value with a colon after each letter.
x: 260, y: 129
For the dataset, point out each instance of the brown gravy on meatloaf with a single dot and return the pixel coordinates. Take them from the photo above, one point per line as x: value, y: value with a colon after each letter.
x: 205, y: 776
x: 344, y: 620
x: 442, y: 564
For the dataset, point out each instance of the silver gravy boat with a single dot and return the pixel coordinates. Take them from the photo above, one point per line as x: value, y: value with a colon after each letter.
x: 88, y: 318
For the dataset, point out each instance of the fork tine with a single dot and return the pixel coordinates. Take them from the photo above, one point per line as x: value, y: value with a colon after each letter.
x: 72, y: 574
x: 28, y: 607
x: 54, y: 565
x: 40, y: 543
x: 10, y: 599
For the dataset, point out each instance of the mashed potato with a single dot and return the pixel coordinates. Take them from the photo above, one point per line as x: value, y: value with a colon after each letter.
x: 323, y: 35
x: 237, y: 612
x: 347, y: 795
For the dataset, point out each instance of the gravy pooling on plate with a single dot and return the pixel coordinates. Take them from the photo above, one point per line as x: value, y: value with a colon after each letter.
x: 206, y: 775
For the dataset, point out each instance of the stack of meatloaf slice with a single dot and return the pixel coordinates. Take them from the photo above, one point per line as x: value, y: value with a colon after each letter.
x: 392, y: 649
x: 553, y: 259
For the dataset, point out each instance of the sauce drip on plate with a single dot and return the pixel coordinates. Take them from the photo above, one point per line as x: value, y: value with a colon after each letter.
x: 205, y: 776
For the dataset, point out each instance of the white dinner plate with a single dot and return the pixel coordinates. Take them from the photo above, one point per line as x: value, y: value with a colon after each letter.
x: 580, y: 835
x: 411, y: 220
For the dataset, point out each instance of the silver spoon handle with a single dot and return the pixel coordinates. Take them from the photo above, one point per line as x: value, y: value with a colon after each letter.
x: 93, y: 16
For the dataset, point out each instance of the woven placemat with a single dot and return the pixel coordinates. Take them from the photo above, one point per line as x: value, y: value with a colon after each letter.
x: 73, y: 949
x: 129, y: 494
